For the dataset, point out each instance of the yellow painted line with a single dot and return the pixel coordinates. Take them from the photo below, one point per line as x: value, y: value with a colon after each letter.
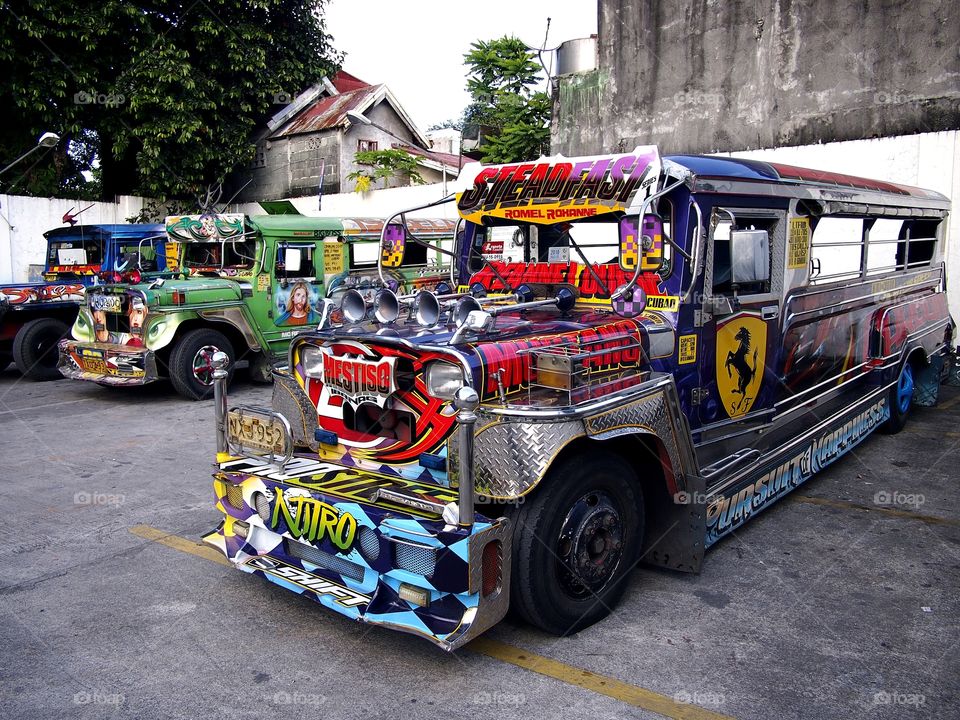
x: 600, y: 684
x: 891, y: 512
x: 180, y: 543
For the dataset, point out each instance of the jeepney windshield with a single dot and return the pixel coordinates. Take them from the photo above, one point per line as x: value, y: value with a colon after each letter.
x: 139, y: 254
x: 76, y: 252
x: 220, y: 255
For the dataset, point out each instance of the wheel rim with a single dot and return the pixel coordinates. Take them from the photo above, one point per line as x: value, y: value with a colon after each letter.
x: 905, y: 389
x: 590, y: 545
x: 202, y: 366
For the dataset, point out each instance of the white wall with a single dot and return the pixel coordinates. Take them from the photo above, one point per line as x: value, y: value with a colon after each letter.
x: 23, y: 220
x: 927, y: 160
x: 376, y: 203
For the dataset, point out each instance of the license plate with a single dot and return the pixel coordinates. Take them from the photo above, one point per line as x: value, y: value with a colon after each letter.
x: 256, y: 430
x: 107, y: 303
x: 95, y: 366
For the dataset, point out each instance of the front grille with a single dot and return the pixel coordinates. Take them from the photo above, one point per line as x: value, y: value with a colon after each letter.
x: 324, y: 559
x: 417, y: 559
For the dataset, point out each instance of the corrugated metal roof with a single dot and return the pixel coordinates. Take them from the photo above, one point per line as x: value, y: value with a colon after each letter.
x: 329, y: 112
x: 448, y: 159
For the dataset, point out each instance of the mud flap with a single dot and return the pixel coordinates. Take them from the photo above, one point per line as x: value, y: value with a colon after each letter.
x: 927, y: 383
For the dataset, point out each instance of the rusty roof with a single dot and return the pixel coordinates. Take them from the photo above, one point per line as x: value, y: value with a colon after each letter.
x: 328, y: 112
x: 448, y: 159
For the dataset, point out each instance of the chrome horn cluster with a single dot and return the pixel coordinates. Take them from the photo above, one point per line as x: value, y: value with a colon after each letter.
x: 465, y: 311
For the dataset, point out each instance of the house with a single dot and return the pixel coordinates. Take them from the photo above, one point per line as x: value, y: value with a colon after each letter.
x: 321, y: 131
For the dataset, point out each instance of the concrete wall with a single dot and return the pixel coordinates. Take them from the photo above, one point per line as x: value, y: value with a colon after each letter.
x: 23, y: 220
x: 291, y: 166
x: 716, y: 76
x: 384, y: 115
x: 930, y: 160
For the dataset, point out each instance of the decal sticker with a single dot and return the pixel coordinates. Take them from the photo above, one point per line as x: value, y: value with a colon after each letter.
x: 312, y: 520
x: 559, y: 189
x: 741, y: 352
x: 798, y: 251
x: 263, y: 282
x: 664, y: 303
x: 357, y: 380
x: 727, y: 512
x: 688, y: 349
x: 321, y: 586
x: 295, y: 305
x: 558, y: 254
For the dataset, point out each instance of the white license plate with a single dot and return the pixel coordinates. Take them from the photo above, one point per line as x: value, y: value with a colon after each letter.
x: 256, y: 430
x: 107, y: 303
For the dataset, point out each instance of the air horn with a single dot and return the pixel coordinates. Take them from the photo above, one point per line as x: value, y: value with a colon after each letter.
x: 470, y: 315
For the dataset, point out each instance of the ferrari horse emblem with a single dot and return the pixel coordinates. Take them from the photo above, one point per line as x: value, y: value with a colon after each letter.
x: 741, y: 352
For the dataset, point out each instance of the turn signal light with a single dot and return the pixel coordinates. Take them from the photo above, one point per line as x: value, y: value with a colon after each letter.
x: 178, y: 297
x: 414, y: 594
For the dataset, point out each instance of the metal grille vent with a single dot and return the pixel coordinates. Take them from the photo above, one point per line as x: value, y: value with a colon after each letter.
x: 369, y: 543
x: 415, y: 558
x: 263, y: 507
x: 235, y: 496
x: 324, y: 560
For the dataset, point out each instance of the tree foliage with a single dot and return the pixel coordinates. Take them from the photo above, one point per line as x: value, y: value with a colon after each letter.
x: 385, y: 164
x: 502, y: 83
x: 165, y: 94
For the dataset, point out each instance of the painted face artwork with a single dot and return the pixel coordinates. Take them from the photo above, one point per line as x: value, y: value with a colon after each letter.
x: 297, y: 308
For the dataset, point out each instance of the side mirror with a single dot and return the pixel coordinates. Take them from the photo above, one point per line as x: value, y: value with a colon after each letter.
x: 641, y: 245
x: 749, y: 256
x: 393, y: 246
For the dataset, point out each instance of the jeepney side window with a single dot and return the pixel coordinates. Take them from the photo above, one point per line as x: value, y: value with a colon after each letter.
x: 882, y: 241
x: 295, y: 261
x: 414, y: 253
x: 919, y: 243
x: 836, y: 249
x: 722, y: 278
x: 363, y: 254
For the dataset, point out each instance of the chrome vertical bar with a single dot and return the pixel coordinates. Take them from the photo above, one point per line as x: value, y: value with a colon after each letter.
x: 466, y: 402
x: 220, y: 360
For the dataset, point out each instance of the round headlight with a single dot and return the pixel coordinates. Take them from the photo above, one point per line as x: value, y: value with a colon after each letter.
x: 443, y: 379
x: 311, y: 357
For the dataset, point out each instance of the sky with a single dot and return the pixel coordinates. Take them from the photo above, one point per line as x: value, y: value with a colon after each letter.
x: 416, y: 47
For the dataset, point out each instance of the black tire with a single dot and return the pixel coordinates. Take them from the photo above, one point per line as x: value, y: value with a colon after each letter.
x: 35, y: 348
x: 190, y: 380
x: 260, y: 369
x: 550, y: 587
x: 900, y: 399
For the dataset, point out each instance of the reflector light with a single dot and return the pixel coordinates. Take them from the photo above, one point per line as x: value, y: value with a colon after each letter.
x: 326, y: 437
x: 492, y: 566
x: 433, y: 462
x: 413, y: 594
x: 178, y: 297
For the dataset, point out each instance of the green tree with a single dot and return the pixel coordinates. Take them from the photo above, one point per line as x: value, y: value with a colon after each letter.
x: 502, y: 83
x: 164, y: 94
x: 385, y: 164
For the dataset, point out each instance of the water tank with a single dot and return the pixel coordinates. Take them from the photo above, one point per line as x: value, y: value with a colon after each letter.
x: 578, y: 55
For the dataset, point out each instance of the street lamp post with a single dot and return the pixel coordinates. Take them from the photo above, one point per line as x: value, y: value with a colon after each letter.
x: 47, y: 140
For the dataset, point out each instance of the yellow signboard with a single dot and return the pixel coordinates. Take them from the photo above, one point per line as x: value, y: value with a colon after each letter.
x: 333, y: 260
x: 798, y: 249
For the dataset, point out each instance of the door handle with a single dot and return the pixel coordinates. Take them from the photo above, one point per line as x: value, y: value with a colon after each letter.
x: 770, y: 312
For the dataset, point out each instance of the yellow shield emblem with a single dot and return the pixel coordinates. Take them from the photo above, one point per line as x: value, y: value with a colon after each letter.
x: 741, y: 352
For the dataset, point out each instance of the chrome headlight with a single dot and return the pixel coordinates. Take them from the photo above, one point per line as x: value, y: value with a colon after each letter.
x: 443, y: 379
x: 311, y: 357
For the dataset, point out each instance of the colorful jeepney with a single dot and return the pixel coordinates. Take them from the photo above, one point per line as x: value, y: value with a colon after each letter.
x: 245, y: 286
x: 644, y: 353
x: 35, y: 316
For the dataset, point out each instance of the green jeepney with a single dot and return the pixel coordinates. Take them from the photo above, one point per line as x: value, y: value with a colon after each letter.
x: 246, y: 286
